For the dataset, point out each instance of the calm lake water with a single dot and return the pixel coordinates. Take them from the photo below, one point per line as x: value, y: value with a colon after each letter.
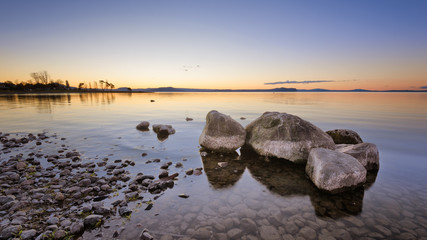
x: 251, y: 198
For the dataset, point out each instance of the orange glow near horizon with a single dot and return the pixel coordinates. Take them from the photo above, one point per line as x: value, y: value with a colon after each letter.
x: 206, y: 45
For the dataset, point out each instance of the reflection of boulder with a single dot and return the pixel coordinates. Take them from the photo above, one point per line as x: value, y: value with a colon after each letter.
x: 287, y: 179
x: 223, y: 177
x: 337, y: 205
x: 281, y: 177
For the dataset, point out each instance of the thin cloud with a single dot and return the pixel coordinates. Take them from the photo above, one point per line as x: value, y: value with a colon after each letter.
x: 298, y: 82
x: 309, y: 81
x: 423, y: 87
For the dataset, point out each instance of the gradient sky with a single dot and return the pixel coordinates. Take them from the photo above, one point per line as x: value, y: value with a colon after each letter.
x: 377, y: 45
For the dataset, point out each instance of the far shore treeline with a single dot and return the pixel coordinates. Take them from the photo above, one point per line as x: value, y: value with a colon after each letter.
x: 42, y: 82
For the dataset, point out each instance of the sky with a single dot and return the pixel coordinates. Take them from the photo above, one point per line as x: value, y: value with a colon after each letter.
x: 376, y: 45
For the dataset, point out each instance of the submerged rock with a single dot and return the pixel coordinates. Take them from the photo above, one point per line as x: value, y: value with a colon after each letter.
x: 143, y: 126
x: 222, y: 133
x: 285, y: 136
x: 334, y: 171
x: 366, y: 153
x: 344, y: 136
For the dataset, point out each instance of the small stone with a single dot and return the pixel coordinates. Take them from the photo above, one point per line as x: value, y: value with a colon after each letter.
x: 28, y: 234
x: 308, y: 233
x: 124, y: 211
x: 269, y: 232
x: 202, y: 233
x: 182, y: 195
x: 60, y: 234
x: 178, y: 165
x: 145, y: 235
x: 52, y: 221
x: 164, y: 174
x: 143, y: 126
x: 9, y: 232
x: 118, y: 171
x: 85, y: 182
x: 20, y: 166
x: 92, y: 221
x: 223, y: 164
x: 234, y: 233
x: 189, y: 171
x: 59, y: 197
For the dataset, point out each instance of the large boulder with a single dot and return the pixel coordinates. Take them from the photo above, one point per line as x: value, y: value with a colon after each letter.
x: 345, y: 136
x: 285, y: 136
x: 366, y: 153
x: 334, y: 171
x: 222, y: 133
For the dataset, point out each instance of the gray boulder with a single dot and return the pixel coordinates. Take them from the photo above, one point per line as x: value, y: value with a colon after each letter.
x: 143, y: 126
x: 285, y: 136
x: 222, y: 133
x: 334, y: 171
x: 366, y: 153
x: 345, y: 136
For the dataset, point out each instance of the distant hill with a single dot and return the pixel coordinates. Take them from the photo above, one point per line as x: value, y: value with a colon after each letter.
x: 172, y: 89
x: 282, y: 89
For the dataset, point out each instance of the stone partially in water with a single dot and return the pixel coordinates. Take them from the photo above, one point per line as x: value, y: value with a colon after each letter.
x: 285, y: 136
x: 222, y: 133
x: 162, y: 129
x: 366, y: 153
x: 143, y: 126
x: 334, y: 171
x: 345, y: 136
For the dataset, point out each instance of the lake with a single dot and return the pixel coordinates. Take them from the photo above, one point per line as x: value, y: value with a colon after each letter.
x: 251, y: 198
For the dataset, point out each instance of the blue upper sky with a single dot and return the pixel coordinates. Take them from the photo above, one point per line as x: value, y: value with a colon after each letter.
x: 218, y: 44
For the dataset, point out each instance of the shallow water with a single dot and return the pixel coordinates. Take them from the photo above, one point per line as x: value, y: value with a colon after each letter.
x: 251, y: 197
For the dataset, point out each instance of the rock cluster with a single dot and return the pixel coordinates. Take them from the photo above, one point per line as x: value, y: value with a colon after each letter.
x: 56, y: 195
x: 337, y: 159
x: 163, y: 131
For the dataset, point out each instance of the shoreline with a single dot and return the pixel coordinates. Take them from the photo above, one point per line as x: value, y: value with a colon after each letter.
x: 59, y: 91
x: 52, y: 191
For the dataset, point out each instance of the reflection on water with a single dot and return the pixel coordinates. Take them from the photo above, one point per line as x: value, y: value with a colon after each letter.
x: 264, y: 199
x: 45, y: 102
x: 285, y: 179
x: 223, y: 177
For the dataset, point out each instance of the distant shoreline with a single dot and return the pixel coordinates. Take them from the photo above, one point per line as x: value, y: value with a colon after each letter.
x: 184, y: 90
x: 67, y: 91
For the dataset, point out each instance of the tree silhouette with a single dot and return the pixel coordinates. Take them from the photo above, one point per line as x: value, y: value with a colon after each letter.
x: 41, y: 77
x: 101, y: 82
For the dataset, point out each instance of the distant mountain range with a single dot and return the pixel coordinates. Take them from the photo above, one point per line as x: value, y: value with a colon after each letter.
x: 172, y: 89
